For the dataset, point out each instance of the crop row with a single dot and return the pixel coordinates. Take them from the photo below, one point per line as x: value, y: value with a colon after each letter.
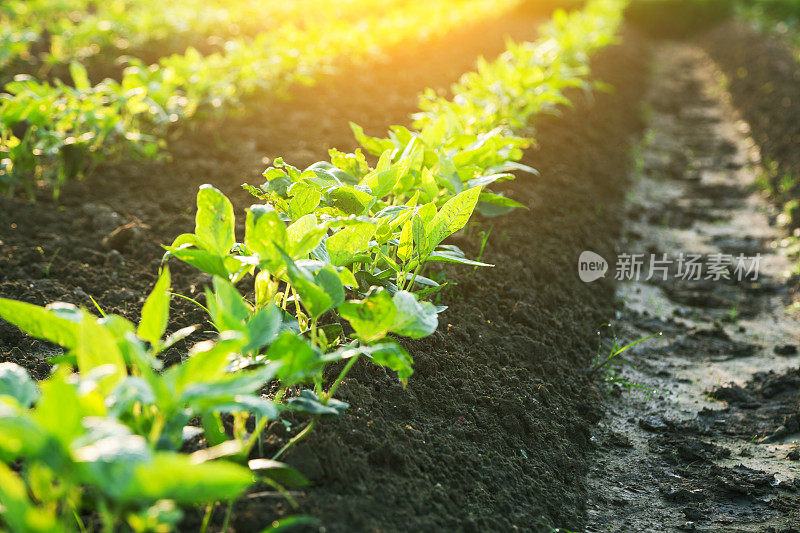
x: 781, y: 17
x: 51, y: 133
x: 56, y: 32
x: 334, y: 258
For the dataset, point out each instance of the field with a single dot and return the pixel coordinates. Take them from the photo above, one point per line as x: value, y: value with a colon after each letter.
x: 465, y: 265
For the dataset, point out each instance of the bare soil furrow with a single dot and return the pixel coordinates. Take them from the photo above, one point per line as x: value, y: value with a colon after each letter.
x: 701, y: 421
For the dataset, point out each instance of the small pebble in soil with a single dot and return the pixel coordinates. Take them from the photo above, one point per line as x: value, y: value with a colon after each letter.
x: 794, y: 454
x: 693, y: 513
x: 652, y: 423
x: 687, y: 526
x: 785, y: 349
x: 115, y: 259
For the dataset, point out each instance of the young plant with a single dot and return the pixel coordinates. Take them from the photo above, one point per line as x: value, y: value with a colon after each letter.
x: 110, y: 437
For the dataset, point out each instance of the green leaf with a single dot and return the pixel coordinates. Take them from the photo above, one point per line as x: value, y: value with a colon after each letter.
x: 20, y: 434
x: 372, y: 145
x: 17, y: 383
x: 207, y: 361
x: 413, y: 319
x: 331, y: 283
x: 281, y: 473
x: 213, y: 428
x: 63, y: 424
x: 372, y: 317
x: 265, y: 233
x: 305, y: 198
x: 347, y: 242
x: 214, y: 223
x: 482, y: 181
x: 405, y: 251
x: 298, y: 359
x: 453, y: 215
x: 107, y: 453
x: 292, y: 522
x: 278, y: 181
x: 40, y: 322
x: 175, y: 477
x: 256, y: 405
x: 230, y: 393
x: 208, y: 262
x: 492, y: 205
x: 97, y: 347
x: 419, y: 227
x: 155, y: 312
x: 304, y: 235
x: 347, y: 278
x: 313, y: 297
x: 381, y: 183
x: 262, y: 327
x: 452, y: 256
x: 350, y: 200
x: 392, y: 356
x: 227, y: 308
x: 128, y: 393
x: 80, y: 78
x: 308, y: 402
x: 17, y: 510
x: 177, y: 336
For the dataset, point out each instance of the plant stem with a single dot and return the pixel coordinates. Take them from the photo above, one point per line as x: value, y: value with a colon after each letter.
x: 226, y: 524
x: 295, y: 439
x: 77, y: 517
x: 155, y: 431
x: 107, y: 518
x: 341, y: 376
x: 254, y: 437
x: 414, y: 276
x: 313, y: 329
x: 260, y: 425
x: 207, y: 517
x: 285, y: 296
x: 198, y: 304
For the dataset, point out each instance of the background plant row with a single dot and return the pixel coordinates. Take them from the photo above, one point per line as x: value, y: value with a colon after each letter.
x: 333, y: 260
x: 52, y: 132
x: 52, y: 32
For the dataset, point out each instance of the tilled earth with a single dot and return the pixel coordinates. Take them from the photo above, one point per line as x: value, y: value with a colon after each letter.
x: 504, y: 417
x: 705, y: 439
x: 493, y: 430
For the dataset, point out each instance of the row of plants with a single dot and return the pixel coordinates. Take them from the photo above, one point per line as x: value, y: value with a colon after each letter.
x: 330, y: 270
x: 22, y: 23
x: 57, y: 32
x: 778, y: 17
x: 52, y: 132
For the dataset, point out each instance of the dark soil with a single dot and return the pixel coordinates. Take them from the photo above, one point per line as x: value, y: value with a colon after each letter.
x: 492, y: 432
x: 64, y: 251
x: 763, y: 78
x: 764, y: 409
x: 683, y: 446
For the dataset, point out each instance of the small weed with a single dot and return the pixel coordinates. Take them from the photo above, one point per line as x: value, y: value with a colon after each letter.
x: 608, y: 360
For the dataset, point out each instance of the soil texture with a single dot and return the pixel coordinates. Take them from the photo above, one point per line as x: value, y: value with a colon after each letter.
x: 493, y: 430
x: 700, y: 421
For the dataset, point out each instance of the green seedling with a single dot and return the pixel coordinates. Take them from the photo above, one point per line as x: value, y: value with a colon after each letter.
x: 607, y: 361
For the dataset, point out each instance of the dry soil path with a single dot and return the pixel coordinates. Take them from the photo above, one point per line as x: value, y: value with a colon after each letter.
x: 705, y: 438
